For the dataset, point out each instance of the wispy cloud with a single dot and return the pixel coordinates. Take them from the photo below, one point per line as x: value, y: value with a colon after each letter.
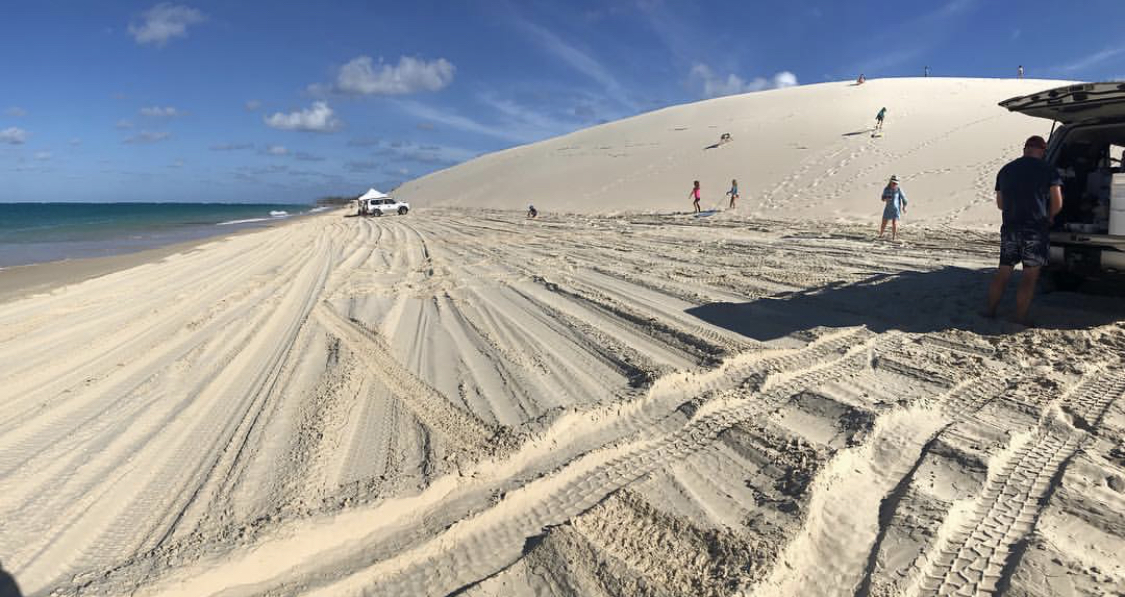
x: 42, y: 156
x: 144, y: 137
x: 317, y: 119
x: 232, y: 146
x: 459, y: 122
x: 362, y: 76
x: 362, y: 166
x: 123, y: 124
x: 15, y: 111
x: 160, y: 112
x: 363, y: 142
x: 714, y: 85
x: 576, y: 58
x: 75, y: 142
x: 307, y: 157
x: 276, y: 150
x: 928, y: 29
x: 1090, y: 60
x: 526, y: 121
x: 163, y: 22
x: 13, y: 136
x: 253, y: 105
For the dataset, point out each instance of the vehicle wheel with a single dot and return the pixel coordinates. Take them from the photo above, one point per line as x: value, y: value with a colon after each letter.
x: 377, y: 212
x: 402, y: 211
x: 1063, y: 281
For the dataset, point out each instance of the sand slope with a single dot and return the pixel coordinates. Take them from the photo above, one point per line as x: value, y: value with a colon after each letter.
x: 642, y: 405
x: 801, y: 152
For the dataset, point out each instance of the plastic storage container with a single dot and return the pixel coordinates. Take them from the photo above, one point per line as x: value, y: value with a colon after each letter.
x: 1117, y: 205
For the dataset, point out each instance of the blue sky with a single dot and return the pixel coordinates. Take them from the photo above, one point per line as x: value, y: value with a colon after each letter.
x: 276, y: 101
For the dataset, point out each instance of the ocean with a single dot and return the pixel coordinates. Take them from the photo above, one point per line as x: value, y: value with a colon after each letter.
x: 41, y: 232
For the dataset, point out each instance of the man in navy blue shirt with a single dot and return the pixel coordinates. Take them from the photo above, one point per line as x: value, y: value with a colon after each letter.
x: 1029, y: 192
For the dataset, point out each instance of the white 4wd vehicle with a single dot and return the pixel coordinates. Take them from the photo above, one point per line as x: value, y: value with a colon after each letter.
x: 1088, y: 236
x: 387, y: 205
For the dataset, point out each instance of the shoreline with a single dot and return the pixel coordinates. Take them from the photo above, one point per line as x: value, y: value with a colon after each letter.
x: 21, y: 281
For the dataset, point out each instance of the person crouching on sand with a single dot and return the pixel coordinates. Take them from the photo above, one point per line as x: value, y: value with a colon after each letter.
x: 733, y: 192
x: 532, y: 212
x: 895, y: 206
x: 695, y: 197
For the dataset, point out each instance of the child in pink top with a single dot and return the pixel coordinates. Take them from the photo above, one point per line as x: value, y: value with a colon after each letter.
x: 695, y: 194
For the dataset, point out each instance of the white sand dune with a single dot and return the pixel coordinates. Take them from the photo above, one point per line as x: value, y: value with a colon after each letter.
x: 800, y: 152
x: 578, y: 405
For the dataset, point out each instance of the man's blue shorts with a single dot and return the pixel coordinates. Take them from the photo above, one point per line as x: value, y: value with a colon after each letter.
x: 1028, y: 246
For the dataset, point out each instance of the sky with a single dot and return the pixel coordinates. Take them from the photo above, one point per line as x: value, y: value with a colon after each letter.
x: 290, y: 101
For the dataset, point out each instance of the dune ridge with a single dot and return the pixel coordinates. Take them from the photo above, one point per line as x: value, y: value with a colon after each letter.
x: 798, y: 153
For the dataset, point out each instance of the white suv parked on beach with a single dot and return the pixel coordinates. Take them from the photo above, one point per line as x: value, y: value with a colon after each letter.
x: 1088, y: 235
x: 387, y: 205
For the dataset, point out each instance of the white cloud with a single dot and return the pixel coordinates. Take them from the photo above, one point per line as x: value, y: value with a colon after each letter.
x: 160, y: 112
x: 42, y: 156
x: 13, y: 136
x: 148, y: 137
x: 319, y: 119
x: 75, y: 141
x: 15, y: 111
x: 163, y: 22
x: 253, y: 105
x: 277, y: 150
x: 713, y: 85
x: 123, y: 124
x: 411, y: 75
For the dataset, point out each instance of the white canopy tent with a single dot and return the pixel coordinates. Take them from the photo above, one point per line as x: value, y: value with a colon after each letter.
x: 372, y: 194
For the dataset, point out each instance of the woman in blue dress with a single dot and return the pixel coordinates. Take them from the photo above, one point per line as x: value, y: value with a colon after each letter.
x: 894, y: 207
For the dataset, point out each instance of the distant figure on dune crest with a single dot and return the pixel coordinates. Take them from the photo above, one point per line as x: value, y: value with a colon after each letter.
x: 1021, y: 71
x: 733, y: 192
x: 926, y: 72
x: 861, y: 79
x: 895, y: 205
x: 1029, y: 193
x: 694, y: 194
x: 879, y: 118
x: 724, y: 138
x: 532, y: 212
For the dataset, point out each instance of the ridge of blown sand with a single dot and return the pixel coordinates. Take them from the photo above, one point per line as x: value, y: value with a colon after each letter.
x: 800, y: 152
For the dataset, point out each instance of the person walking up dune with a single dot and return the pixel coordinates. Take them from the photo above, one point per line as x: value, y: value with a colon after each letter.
x: 694, y: 194
x: 879, y: 118
x: 733, y: 192
x: 1029, y: 193
x: 894, y: 207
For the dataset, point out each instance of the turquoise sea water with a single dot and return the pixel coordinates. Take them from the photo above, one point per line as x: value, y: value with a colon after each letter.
x: 39, y: 232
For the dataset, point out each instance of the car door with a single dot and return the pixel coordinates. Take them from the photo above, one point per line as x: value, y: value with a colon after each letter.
x: 1073, y: 103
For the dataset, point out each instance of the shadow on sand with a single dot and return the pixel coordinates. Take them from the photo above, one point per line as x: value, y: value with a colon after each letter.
x: 8, y: 586
x: 854, y: 133
x: 920, y: 302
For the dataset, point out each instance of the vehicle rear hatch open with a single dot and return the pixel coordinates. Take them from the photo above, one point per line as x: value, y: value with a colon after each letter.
x: 1073, y: 103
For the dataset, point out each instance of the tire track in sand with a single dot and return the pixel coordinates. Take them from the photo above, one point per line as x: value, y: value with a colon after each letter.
x: 981, y: 542
x: 463, y: 428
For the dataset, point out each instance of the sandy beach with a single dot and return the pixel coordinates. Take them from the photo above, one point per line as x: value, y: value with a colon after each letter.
x: 616, y: 398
